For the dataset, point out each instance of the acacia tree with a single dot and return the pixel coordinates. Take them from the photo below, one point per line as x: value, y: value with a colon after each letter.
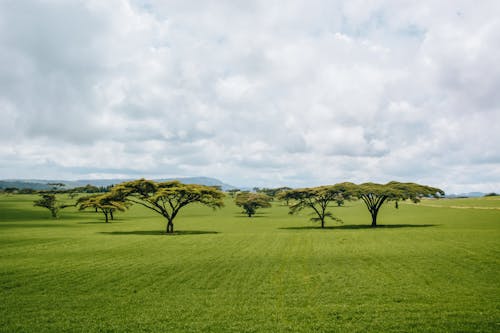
x: 232, y: 192
x: 168, y: 198
x: 49, y: 201
x: 375, y: 195
x: 250, y: 202
x: 106, y: 203
x: 316, y: 198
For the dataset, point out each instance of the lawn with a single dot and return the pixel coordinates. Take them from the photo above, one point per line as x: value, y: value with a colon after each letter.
x: 426, y: 269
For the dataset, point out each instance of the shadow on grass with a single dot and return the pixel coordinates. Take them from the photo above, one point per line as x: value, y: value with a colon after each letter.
x: 13, y: 225
x: 99, y: 222
x: 159, y: 232
x: 363, y: 226
x: 37, y: 214
x: 240, y: 216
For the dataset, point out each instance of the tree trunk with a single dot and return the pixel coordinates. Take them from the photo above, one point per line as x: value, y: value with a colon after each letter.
x: 111, y: 215
x: 322, y: 223
x: 170, y: 227
x: 106, y: 215
x: 374, y: 218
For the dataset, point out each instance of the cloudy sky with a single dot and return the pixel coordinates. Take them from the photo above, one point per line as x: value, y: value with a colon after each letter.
x: 255, y: 93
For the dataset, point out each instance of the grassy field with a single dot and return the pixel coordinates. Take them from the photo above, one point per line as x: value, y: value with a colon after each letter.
x: 428, y: 269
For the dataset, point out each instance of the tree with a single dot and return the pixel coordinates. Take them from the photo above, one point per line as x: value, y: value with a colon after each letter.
x: 27, y: 191
x: 375, y: 195
x: 168, y: 198
x: 49, y: 201
x: 56, y: 186
x: 315, y: 198
x: 232, y: 192
x: 106, y: 203
x: 11, y: 190
x: 252, y: 201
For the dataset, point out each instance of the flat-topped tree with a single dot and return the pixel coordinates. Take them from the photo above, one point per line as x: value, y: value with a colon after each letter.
x: 49, y: 201
x: 375, y: 195
x: 168, y: 198
x: 250, y: 202
x: 106, y: 203
x: 316, y: 198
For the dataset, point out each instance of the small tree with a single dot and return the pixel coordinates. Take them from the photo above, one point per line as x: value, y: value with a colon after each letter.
x: 232, y: 192
x: 375, y: 195
x: 250, y: 202
x: 56, y: 187
x: 49, y: 201
x: 106, y: 203
x: 11, y: 190
x: 317, y: 198
x: 168, y: 198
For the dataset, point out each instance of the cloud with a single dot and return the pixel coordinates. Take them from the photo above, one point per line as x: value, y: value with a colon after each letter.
x: 255, y: 93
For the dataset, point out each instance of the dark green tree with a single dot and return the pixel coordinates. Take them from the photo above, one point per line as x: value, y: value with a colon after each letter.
x: 168, y: 198
x: 11, y: 190
x: 232, y: 192
x: 56, y: 187
x: 250, y: 202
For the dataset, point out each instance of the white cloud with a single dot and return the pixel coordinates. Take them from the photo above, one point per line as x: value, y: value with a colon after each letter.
x: 252, y: 92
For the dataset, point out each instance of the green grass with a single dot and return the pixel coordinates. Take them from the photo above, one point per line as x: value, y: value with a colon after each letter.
x: 488, y: 202
x: 427, y: 269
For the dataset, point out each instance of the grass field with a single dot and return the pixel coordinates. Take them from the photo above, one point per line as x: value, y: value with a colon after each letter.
x: 428, y: 269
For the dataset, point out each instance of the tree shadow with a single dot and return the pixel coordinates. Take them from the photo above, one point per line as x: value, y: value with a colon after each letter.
x: 242, y: 216
x: 159, y: 232
x: 38, y: 214
x: 363, y: 226
x: 99, y: 222
x: 14, y: 225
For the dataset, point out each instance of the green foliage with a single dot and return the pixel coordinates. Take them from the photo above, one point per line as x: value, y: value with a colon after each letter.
x: 27, y: 191
x: 168, y: 198
x: 375, y: 195
x: 106, y: 203
x: 49, y: 201
x: 250, y: 202
x: 316, y: 198
x: 272, y: 192
x: 87, y: 189
x: 56, y: 187
x: 10, y: 190
x: 233, y: 192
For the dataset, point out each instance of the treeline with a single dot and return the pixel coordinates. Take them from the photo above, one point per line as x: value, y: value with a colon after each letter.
x: 168, y: 198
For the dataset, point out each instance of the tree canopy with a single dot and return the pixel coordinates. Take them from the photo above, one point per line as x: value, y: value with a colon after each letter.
x: 315, y: 198
x: 250, y: 202
x: 168, y: 198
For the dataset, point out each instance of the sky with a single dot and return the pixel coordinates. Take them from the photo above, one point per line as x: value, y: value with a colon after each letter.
x: 254, y: 93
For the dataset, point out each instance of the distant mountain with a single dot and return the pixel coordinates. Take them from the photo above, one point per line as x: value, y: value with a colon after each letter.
x: 41, y: 184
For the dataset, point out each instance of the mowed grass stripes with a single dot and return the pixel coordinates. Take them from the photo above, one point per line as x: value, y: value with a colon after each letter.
x: 425, y: 269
